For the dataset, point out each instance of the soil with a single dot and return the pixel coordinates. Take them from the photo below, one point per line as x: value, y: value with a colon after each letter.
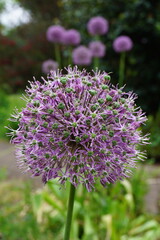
x: 9, y: 164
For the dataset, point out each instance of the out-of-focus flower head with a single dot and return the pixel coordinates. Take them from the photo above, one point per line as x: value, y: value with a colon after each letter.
x: 82, y: 56
x: 49, y: 65
x: 72, y: 37
x: 122, y: 44
x: 55, y: 33
x: 97, y: 26
x: 78, y: 127
x: 97, y: 49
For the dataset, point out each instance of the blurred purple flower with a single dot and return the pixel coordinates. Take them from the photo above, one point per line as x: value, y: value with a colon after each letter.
x: 122, y: 44
x: 82, y: 55
x: 55, y: 34
x: 72, y: 37
x: 49, y: 65
x: 98, y: 26
x: 79, y: 127
x: 97, y: 49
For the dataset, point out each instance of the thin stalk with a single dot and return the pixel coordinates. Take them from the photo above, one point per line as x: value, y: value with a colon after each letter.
x: 96, y: 62
x: 97, y: 38
x: 96, y: 59
x: 69, y: 212
x: 70, y: 55
x: 121, y: 69
x: 58, y: 54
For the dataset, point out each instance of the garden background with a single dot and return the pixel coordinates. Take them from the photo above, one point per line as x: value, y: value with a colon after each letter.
x: 127, y: 210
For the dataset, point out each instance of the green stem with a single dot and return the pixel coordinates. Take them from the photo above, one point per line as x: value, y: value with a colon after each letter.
x: 69, y: 212
x: 70, y: 55
x: 96, y: 62
x: 97, y: 38
x: 58, y: 54
x: 96, y: 59
x: 121, y: 69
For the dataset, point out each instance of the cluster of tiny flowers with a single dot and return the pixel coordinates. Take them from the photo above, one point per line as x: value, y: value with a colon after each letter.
x: 82, y: 55
x: 97, y: 49
x: 122, y: 44
x: 58, y: 34
x: 78, y: 127
x: 97, y: 26
x: 49, y: 65
x: 71, y: 37
x: 55, y: 34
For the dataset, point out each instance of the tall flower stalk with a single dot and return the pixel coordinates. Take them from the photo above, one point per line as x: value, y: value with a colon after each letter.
x: 121, y: 45
x: 57, y: 54
x: 97, y: 49
x: 55, y: 34
x: 79, y: 128
x: 70, y: 55
x: 95, y: 62
x: 71, y: 38
x: 69, y: 213
x: 122, y: 69
x: 97, y: 26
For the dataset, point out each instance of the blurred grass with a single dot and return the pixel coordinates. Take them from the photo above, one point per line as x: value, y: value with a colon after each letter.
x: 112, y: 213
x: 16, y: 101
x: 7, y: 105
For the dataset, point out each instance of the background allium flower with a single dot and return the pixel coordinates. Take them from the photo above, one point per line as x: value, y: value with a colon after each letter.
x: 72, y: 37
x: 97, y: 48
x: 49, y: 65
x: 82, y: 55
x: 97, y: 26
x: 79, y: 128
x: 55, y: 34
x: 122, y: 44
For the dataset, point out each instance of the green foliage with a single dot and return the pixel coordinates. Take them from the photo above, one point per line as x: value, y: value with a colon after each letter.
x: 153, y: 127
x: 142, y: 73
x: 110, y: 213
x: 31, y: 47
x: 38, y: 8
x: 7, y: 106
x: 2, y: 6
x: 17, y: 220
x: 4, y: 104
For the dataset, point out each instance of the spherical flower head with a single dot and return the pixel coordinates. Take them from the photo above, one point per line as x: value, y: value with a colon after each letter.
x: 78, y: 127
x: 49, y: 65
x: 55, y: 33
x: 97, y: 49
x: 122, y: 44
x: 72, y: 37
x: 97, y: 26
x: 82, y: 56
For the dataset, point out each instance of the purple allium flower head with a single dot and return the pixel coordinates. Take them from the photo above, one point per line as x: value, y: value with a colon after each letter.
x: 49, y: 65
x: 72, y: 37
x: 82, y: 55
x: 122, y: 44
x: 55, y: 33
x: 97, y: 26
x: 97, y: 48
x: 79, y: 127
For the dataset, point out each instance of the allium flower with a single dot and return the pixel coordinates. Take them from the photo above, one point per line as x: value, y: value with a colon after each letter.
x: 122, y: 44
x: 72, y: 37
x: 49, y: 65
x: 82, y: 55
x: 79, y: 128
x: 55, y: 34
x: 97, y: 48
x: 97, y: 26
